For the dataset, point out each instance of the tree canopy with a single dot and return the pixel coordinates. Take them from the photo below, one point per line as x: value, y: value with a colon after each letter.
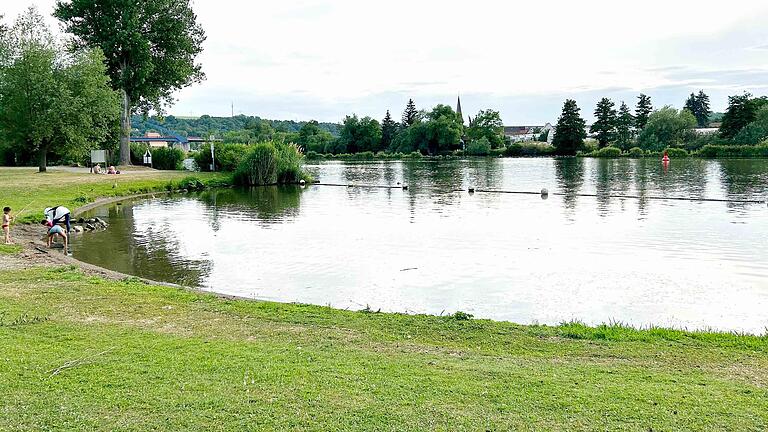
x: 667, y: 127
x: 570, y: 130
x: 605, y: 122
x: 487, y: 124
x: 359, y: 135
x: 313, y: 138
x: 698, y: 105
x: 755, y: 132
x: 642, y: 111
x: 742, y: 110
x: 410, y: 115
x: 51, y: 100
x: 150, y: 48
x: 624, y: 127
x: 388, y: 131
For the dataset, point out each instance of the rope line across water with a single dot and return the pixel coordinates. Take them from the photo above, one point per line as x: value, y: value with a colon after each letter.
x: 637, y: 197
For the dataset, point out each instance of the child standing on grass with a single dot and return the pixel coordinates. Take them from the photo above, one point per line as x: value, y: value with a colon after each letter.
x: 7, y: 218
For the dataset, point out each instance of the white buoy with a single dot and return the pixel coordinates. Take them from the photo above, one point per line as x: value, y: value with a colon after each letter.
x: 544, y: 192
x: 302, y: 182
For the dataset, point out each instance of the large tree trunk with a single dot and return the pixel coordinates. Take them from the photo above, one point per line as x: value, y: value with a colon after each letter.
x: 125, y: 130
x: 43, y: 160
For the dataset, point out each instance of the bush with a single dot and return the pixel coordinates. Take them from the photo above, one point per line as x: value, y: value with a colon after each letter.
x: 675, y: 152
x: 498, y: 152
x: 607, y: 152
x: 713, y: 151
x: 137, y: 153
x: 228, y: 156
x: 529, y: 149
x: 413, y: 155
x: 636, y: 152
x: 700, y: 141
x: 167, y: 158
x: 289, y: 160
x: 479, y: 147
x: 270, y: 163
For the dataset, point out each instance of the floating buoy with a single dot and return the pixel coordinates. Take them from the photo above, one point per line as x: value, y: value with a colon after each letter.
x: 665, y: 159
x: 471, y: 190
x: 405, y: 187
x: 544, y: 192
x: 302, y: 182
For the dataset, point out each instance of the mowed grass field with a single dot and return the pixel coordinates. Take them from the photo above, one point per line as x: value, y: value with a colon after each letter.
x: 28, y: 192
x: 83, y: 353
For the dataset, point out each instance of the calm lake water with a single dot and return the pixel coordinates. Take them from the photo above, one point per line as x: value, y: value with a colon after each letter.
x: 433, y: 249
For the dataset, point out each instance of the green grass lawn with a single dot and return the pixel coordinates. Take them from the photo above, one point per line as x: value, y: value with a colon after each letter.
x: 28, y: 192
x: 85, y: 353
x: 79, y: 352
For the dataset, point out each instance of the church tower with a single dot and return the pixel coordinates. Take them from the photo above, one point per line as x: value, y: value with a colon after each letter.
x: 458, y: 109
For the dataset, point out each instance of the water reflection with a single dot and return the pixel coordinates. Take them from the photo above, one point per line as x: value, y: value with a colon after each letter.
x: 268, y: 204
x: 570, y: 178
x: 744, y: 179
x: 141, y: 247
x: 582, y: 254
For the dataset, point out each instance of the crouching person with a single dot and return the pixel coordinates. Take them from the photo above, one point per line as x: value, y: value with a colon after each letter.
x: 58, y: 215
x: 54, y: 231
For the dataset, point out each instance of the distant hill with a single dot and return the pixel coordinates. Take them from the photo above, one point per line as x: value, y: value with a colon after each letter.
x: 716, y: 117
x: 206, y: 125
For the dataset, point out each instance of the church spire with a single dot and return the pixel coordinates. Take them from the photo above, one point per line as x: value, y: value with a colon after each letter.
x: 458, y: 109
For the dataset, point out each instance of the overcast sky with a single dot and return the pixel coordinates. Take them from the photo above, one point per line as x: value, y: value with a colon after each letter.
x: 322, y: 59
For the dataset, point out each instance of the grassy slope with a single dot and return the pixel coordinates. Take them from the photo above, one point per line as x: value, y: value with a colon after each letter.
x: 177, y: 360
x: 28, y: 192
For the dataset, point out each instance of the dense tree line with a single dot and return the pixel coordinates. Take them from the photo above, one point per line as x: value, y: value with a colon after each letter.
x: 205, y: 126
x: 745, y: 122
x: 437, y: 131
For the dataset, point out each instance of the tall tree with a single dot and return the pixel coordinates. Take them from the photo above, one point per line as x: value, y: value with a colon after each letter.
x: 52, y: 101
x: 359, y: 135
x: 605, y: 122
x: 410, y: 115
x: 624, y: 126
x: 388, y: 131
x: 444, y: 129
x: 570, y: 130
x: 691, y: 104
x: 742, y: 110
x: 642, y: 111
x: 313, y: 138
x: 667, y: 127
x: 698, y: 105
x: 487, y: 124
x: 704, y: 109
x: 150, y: 48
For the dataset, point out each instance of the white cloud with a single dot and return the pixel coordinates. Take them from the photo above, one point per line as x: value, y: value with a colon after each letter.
x: 322, y: 58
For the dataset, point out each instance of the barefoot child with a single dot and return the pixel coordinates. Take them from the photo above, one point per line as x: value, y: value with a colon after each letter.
x: 7, y: 219
x: 54, y: 231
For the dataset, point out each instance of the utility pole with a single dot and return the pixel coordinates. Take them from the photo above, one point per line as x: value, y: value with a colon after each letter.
x: 213, y: 156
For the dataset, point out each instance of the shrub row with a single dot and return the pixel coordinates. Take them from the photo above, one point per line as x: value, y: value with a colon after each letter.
x: 744, y: 151
x: 163, y: 158
x: 367, y: 155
